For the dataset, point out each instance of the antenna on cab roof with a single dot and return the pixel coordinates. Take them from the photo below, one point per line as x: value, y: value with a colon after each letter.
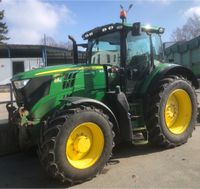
x: 123, y: 12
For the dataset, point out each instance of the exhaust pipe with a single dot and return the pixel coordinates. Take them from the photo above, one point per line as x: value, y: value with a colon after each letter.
x: 75, y: 49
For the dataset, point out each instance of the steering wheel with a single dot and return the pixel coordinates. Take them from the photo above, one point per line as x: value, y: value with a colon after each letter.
x: 113, y: 75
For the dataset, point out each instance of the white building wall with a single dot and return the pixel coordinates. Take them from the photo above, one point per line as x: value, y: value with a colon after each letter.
x: 103, y: 58
x: 6, y: 69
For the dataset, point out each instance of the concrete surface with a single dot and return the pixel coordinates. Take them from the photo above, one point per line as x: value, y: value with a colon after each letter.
x: 147, y: 167
x: 131, y: 167
x: 8, y: 141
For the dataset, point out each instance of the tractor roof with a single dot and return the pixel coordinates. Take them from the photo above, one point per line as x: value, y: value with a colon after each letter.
x: 109, y: 28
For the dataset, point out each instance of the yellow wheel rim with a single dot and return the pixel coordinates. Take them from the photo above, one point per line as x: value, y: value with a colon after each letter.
x: 178, y: 111
x: 84, y: 145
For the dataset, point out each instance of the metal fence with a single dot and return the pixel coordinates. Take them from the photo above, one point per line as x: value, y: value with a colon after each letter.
x: 10, y: 90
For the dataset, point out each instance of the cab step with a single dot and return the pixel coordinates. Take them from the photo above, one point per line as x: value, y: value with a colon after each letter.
x: 135, y: 117
x: 140, y: 136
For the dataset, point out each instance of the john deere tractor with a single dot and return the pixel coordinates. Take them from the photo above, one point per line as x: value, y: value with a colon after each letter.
x: 125, y: 91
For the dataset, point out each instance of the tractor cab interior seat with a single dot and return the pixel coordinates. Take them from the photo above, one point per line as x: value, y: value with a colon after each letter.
x: 137, y: 69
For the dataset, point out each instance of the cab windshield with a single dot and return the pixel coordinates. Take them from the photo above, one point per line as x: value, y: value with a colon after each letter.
x: 105, y: 49
x: 138, y: 47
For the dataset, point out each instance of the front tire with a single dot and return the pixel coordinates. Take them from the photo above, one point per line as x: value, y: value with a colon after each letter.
x: 77, y: 145
x: 171, y: 112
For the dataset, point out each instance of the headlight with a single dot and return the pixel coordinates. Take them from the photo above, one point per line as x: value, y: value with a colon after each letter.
x: 20, y: 84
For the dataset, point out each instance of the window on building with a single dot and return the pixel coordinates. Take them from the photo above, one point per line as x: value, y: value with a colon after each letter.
x: 108, y: 58
x: 18, y: 66
x: 98, y: 60
x: 94, y: 60
x: 114, y: 58
x: 104, y: 48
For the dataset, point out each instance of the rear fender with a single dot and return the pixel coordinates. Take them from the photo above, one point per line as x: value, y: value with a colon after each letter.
x: 176, y: 70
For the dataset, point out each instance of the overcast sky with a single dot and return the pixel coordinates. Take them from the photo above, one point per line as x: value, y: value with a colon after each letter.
x: 29, y: 20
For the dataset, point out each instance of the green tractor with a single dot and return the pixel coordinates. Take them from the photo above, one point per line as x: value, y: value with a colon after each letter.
x: 125, y: 92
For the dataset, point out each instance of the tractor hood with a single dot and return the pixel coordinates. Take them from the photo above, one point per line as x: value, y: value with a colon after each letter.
x: 51, y: 70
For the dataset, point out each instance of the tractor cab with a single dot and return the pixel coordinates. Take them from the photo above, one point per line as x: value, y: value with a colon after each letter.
x: 128, y: 51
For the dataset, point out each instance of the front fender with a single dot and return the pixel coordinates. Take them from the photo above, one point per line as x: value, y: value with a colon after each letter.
x: 77, y: 101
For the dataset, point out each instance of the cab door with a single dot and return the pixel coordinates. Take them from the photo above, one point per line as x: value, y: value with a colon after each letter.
x: 138, y: 60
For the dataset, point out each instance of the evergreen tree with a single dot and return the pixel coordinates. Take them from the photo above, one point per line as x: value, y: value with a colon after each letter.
x: 3, y: 28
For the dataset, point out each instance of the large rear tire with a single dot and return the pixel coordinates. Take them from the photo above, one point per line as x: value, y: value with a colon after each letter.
x: 171, y: 112
x: 77, y: 145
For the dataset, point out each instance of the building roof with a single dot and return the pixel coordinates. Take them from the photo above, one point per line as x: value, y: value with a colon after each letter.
x: 50, y: 55
x: 18, y: 50
x: 27, y: 46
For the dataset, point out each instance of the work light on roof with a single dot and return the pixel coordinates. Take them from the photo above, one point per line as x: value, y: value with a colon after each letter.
x: 104, y: 29
x: 86, y: 35
x: 147, y: 27
x: 90, y: 34
x: 119, y: 27
x: 161, y: 30
x: 110, y: 27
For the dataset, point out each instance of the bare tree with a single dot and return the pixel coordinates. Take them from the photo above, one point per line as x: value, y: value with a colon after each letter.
x: 69, y: 45
x: 48, y: 40
x: 189, y: 30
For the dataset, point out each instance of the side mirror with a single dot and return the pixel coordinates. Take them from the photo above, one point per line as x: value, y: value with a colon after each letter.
x: 136, y: 30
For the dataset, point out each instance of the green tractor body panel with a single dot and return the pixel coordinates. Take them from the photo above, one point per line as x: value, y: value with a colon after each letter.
x: 155, y: 73
x: 74, y: 80
x: 67, y: 80
x: 163, y: 69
